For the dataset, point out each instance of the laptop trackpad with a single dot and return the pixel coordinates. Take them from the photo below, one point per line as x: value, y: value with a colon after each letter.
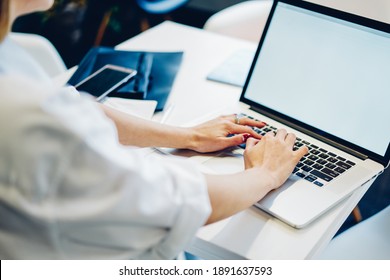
x: 225, y: 163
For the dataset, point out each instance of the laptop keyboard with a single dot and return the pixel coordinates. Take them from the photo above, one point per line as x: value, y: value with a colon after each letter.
x: 319, y: 166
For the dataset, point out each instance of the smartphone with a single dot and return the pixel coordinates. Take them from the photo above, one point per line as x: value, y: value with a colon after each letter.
x: 105, y: 80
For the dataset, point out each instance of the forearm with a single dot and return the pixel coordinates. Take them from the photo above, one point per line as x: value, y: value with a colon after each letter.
x: 233, y: 193
x: 144, y: 133
x: 213, y: 135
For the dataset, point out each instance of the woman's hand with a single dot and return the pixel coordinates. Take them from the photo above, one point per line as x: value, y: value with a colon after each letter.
x: 268, y: 163
x: 274, y: 153
x: 223, y: 132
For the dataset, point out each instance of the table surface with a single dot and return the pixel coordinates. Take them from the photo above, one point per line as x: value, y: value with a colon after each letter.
x: 250, y: 234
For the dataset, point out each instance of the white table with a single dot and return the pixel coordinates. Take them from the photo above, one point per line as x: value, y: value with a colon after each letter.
x: 250, y: 234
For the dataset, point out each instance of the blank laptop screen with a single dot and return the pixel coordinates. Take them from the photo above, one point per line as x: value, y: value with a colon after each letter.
x: 328, y: 73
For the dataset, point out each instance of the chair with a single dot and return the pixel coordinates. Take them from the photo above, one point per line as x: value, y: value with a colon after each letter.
x: 369, y: 240
x: 244, y: 20
x: 42, y: 50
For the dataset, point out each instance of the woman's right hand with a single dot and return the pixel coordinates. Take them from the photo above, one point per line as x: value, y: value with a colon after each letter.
x: 274, y: 153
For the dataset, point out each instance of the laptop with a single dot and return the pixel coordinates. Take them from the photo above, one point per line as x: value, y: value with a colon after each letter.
x: 324, y: 75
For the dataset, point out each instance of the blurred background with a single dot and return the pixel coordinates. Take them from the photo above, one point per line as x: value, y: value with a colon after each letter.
x: 74, y: 26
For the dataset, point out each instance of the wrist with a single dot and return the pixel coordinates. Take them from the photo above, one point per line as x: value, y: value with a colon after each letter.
x: 191, y: 139
x: 185, y: 138
x: 267, y: 177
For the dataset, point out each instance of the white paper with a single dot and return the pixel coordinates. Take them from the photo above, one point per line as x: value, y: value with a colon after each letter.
x: 140, y: 108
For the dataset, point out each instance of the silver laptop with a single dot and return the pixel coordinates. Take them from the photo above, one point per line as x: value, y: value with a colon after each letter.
x: 324, y: 75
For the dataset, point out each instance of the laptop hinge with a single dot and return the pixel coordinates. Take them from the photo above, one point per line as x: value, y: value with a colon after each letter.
x: 312, y: 134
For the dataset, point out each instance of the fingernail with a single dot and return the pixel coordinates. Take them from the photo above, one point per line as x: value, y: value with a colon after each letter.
x: 245, y: 137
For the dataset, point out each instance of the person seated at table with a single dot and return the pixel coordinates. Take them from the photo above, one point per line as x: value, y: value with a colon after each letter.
x: 73, y: 185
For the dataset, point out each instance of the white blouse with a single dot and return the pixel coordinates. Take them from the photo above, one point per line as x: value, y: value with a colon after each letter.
x: 69, y: 190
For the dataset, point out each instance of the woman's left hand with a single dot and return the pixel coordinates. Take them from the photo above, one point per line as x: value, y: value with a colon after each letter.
x: 223, y: 132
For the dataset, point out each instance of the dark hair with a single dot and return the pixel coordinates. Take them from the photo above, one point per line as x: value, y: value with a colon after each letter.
x: 4, y: 18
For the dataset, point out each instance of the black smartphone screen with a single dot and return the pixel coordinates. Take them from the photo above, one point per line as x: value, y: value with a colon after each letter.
x: 104, y: 81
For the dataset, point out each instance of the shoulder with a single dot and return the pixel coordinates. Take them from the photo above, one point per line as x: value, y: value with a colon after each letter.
x: 14, y: 87
x: 20, y: 98
x: 25, y: 99
x: 26, y: 104
x: 19, y: 94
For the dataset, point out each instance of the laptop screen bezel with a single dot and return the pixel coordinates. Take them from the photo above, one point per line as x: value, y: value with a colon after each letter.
x: 313, y: 131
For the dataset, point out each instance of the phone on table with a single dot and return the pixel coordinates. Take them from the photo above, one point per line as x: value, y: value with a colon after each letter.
x: 105, y: 80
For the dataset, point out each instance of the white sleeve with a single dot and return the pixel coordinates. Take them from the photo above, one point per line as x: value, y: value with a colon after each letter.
x: 99, y: 199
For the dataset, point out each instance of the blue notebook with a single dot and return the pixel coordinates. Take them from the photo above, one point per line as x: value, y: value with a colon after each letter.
x: 156, y: 72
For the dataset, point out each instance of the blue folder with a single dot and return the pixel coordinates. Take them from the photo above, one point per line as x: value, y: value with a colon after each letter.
x: 156, y: 72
